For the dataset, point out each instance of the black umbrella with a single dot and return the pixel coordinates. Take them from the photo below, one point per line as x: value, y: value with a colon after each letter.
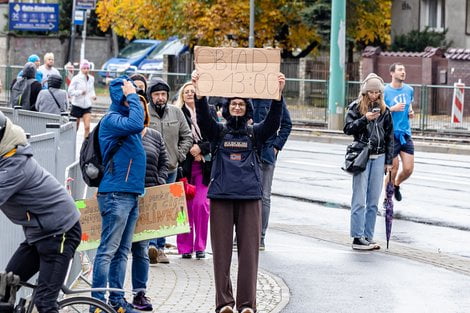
x: 388, y: 206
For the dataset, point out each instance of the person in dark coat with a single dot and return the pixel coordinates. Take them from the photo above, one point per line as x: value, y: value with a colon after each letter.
x: 235, y: 193
x: 269, y: 152
x: 196, y: 169
x: 33, y: 199
x: 32, y: 89
x: 156, y: 173
x: 369, y: 120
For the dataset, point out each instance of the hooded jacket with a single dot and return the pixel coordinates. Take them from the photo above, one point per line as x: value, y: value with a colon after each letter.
x: 81, y: 83
x: 33, y: 85
x: 235, y: 168
x: 278, y: 140
x: 173, y: 127
x: 33, y: 198
x: 379, y: 131
x: 126, y: 171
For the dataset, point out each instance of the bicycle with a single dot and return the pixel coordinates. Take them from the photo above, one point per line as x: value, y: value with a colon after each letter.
x: 75, y: 304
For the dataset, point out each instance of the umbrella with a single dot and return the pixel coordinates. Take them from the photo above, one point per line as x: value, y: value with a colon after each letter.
x: 388, y: 206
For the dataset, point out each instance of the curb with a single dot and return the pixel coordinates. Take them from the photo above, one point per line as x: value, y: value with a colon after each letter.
x: 422, y: 144
x: 453, y: 263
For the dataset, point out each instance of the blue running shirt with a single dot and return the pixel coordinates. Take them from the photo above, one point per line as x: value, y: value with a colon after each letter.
x: 401, y: 121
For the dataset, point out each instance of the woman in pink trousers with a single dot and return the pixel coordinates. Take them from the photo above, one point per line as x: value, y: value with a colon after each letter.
x: 196, y: 169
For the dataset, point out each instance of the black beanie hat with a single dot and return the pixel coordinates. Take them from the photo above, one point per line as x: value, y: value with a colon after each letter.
x: 54, y: 81
x: 140, y: 77
x: 160, y: 87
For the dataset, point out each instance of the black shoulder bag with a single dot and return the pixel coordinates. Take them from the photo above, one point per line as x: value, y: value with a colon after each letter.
x: 56, y: 102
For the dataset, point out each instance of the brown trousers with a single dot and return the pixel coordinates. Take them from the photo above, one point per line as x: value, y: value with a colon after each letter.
x: 246, y: 216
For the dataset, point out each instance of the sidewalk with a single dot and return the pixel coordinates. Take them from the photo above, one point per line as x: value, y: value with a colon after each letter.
x: 188, y: 286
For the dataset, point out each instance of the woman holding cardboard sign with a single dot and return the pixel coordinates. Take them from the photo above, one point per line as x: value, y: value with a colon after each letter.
x: 235, y: 193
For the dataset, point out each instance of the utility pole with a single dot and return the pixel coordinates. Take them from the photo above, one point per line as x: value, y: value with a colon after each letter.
x: 336, y: 86
x: 82, y: 47
x: 72, y: 34
x: 251, y: 38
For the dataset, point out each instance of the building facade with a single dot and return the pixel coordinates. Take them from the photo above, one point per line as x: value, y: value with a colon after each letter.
x: 454, y: 15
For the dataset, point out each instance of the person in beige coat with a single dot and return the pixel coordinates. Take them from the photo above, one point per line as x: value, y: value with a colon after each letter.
x: 169, y: 120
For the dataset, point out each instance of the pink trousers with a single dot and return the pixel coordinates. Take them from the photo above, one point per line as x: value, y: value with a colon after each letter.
x: 198, y: 215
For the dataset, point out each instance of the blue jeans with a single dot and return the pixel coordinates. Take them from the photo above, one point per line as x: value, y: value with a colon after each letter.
x: 367, y: 187
x: 119, y: 213
x: 160, y: 244
x: 140, y: 265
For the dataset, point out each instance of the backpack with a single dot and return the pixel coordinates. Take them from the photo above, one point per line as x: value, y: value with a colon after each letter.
x: 21, y: 92
x: 91, y: 162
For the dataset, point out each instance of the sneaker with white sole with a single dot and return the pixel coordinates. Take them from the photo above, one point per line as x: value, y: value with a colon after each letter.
x: 247, y: 310
x: 361, y: 244
x: 373, y: 243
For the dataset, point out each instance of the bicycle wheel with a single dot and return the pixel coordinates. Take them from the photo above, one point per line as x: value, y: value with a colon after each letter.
x: 83, y: 305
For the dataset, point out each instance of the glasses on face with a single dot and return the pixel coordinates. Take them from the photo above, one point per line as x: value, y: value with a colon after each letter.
x: 189, y: 92
x: 238, y: 104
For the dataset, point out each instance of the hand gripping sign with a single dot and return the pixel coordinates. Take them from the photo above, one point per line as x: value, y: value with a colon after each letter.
x: 240, y: 72
x: 457, y: 103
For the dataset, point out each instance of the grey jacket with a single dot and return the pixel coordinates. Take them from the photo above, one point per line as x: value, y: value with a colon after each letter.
x: 45, y: 102
x: 175, y: 131
x: 33, y: 198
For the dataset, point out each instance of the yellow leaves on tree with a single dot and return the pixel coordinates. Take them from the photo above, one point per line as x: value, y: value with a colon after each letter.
x: 369, y: 22
x: 207, y: 22
x: 137, y: 18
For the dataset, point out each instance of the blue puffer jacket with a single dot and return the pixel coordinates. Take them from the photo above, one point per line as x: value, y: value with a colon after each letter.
x: 278, y: 140
x: 126, y: 172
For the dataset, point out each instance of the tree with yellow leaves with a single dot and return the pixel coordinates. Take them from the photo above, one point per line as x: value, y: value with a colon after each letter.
x: 208, y: 22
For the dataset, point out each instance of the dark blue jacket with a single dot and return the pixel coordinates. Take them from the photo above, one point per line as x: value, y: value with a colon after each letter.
x: 261, y: 108
x: 126, y: 171
x: 235, y: 167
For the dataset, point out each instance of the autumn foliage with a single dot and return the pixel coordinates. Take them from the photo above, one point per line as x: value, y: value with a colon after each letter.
x: 278, y: 23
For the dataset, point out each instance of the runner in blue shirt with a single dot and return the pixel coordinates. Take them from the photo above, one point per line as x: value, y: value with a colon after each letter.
x: 399, y: 97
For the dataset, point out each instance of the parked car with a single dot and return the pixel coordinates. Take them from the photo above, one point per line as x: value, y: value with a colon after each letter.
x: 129, y: 58
x: 154, y: 61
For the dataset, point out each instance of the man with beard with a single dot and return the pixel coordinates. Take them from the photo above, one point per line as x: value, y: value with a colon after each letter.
x: 169, y: 120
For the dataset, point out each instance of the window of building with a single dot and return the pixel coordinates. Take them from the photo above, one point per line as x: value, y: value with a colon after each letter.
x: 433, y: 14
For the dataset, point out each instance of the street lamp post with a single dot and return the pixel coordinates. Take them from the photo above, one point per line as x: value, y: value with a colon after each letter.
x: 251, y: 38
x: 337, y: 63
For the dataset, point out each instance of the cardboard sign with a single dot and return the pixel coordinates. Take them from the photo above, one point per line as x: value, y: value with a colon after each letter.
x: 162, y: 213
x: 240, y: 72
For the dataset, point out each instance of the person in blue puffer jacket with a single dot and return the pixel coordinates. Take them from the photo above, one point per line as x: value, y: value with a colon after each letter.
x: 122, y: 183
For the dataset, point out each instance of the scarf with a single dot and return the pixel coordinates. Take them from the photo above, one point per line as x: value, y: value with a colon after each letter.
x: 194, y: 127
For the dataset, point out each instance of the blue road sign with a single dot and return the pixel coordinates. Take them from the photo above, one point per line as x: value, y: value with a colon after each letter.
x: 39, y: 17
x: 78, y: 17
x: 85, y: 4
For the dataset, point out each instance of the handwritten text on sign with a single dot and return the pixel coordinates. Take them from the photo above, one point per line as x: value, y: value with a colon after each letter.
x: 162, y: 213
x: 240, y: 72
